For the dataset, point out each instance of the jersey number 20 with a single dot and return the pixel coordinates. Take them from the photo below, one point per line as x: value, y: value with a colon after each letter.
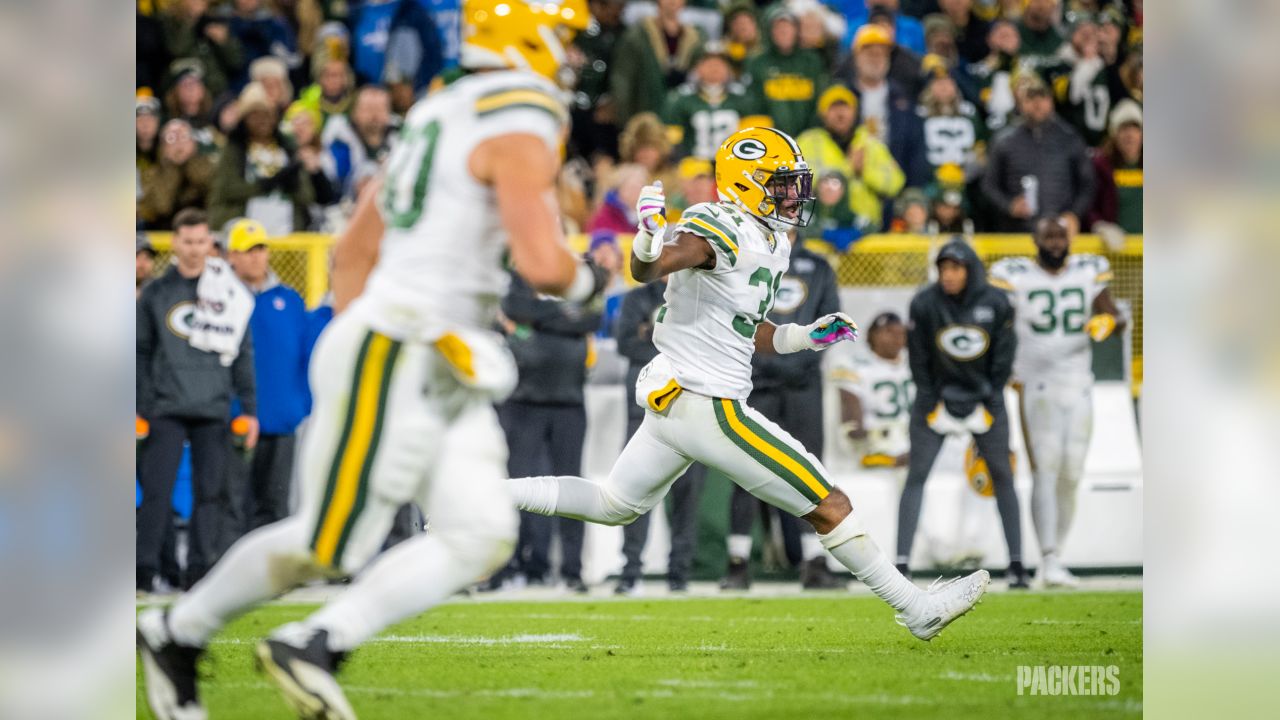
x: 407, y: 173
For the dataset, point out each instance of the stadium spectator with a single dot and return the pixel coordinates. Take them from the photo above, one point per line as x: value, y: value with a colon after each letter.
x: 970, y: 30
x: 697, y: 185
x: 395, y: 42
x: 273, y: 75
x: 949, y: 208
x: 188, y: 98
x: 262, y: 32
x: 616, y: 212
x: 144, y: 263
x: 595, y: 126
x: 146, y: 126
x: 635, y: 343
x: 545, y: 419
x: 993, y: 75
x: 302, y: 124
x: 652, y: 58
x: 910, y: 212
x: 333, y: 91
x: 152, y: 58
x: 281, y: 353
x: 741, y: 33
x: 710, y: 107
x: 907, y: 29
x: 1039, y: 167
x: 953, y: 131
x: 833, y: 221
x: 181, y: 179
x: 644, y: 141
x: 355, y: 144
x: 872, y: 174
x: 961, y: 345
x: 821, y: 29
x: 784, y: 77
x: 1130, y: 74
x: 1079, y: 80
x: 1037, y: 29
x: 185, y: 394
x: 191, y: 31
x: 885, y: 110
x: 904, y: 64
x: 258, y: 175
x: 1118, y: 168
x: 787, y: 389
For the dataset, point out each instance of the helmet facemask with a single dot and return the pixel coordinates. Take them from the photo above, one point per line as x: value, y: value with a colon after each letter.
x: 789, y: 198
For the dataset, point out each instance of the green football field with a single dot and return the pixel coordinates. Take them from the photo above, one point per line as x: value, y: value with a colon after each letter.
x: 830, y: 656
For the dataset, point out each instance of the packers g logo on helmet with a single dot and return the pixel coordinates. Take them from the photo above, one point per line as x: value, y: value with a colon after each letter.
x: 520, y: 34
x: 762, y: 171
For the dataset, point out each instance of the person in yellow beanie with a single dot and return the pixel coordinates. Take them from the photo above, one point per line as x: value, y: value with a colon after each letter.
x: 841, y: 145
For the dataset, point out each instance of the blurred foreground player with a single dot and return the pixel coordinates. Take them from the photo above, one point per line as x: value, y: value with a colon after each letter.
x: 961, y: 344
x: 1062, y: 305
x: 725, y: 261
x: 406, y: 375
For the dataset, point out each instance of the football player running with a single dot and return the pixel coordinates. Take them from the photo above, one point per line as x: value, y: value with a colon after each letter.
x: 724, y: 261
x: 1062, y: 304
x: 406, y: 375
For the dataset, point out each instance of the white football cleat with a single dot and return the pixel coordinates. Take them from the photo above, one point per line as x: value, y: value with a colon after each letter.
x: 1054, y: 574
x: 944, y: 602
x: 168, y: 669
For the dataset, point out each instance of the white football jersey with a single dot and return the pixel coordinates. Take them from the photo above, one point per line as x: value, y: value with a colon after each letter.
x: 1052, y: 310
x: 443, y: 256
x: 707, y: 324
x: 885, y: 389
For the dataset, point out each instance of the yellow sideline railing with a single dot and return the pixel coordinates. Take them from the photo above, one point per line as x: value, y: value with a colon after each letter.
x: 302, y: 261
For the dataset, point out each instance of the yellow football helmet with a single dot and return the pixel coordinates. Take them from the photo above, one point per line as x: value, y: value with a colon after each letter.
x: 520, y: 34
x: 761, y: 170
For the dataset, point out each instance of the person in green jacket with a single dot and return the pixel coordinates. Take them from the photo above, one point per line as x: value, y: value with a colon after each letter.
x: 653, y: 57
x: 874, y: 176
x: 786, y: 77
x: 710, y: 107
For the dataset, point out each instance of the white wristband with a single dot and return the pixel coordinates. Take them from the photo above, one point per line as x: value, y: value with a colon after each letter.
x: 790, y: 338
x: 647, y: 247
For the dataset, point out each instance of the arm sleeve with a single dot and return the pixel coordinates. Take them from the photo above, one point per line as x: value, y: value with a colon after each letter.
x: 918, y: 351
x: 243, y: 381
x: 145, y: 349
x: 716, y: 228
x: 631, y: 344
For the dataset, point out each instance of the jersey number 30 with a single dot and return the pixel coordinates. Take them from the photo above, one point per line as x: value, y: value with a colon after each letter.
x: 746, y: 326
x: 407, y: 173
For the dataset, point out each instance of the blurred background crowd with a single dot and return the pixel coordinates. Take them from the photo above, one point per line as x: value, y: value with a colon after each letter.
x: 917, y: 115
x: 260, y: 120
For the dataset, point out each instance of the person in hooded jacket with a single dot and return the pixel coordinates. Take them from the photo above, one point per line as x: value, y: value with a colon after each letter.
x: 961, y: 344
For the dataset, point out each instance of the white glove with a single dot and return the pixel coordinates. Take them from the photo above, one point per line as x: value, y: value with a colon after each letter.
x: 817, y: 335
x: 651, y: 208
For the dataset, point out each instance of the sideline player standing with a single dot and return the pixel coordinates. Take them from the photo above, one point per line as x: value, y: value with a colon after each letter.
x: 406, y: 376
x: 875, y: 397
x: 1052, y: 296
x: 725, y: 261
x: 961, y: 344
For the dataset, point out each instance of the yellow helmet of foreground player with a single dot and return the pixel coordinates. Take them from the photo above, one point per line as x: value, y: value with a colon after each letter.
x: 520, y: 34
x: 761, y: 170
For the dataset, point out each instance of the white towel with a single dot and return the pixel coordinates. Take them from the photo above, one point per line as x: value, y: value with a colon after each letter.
x: 223, y: 307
